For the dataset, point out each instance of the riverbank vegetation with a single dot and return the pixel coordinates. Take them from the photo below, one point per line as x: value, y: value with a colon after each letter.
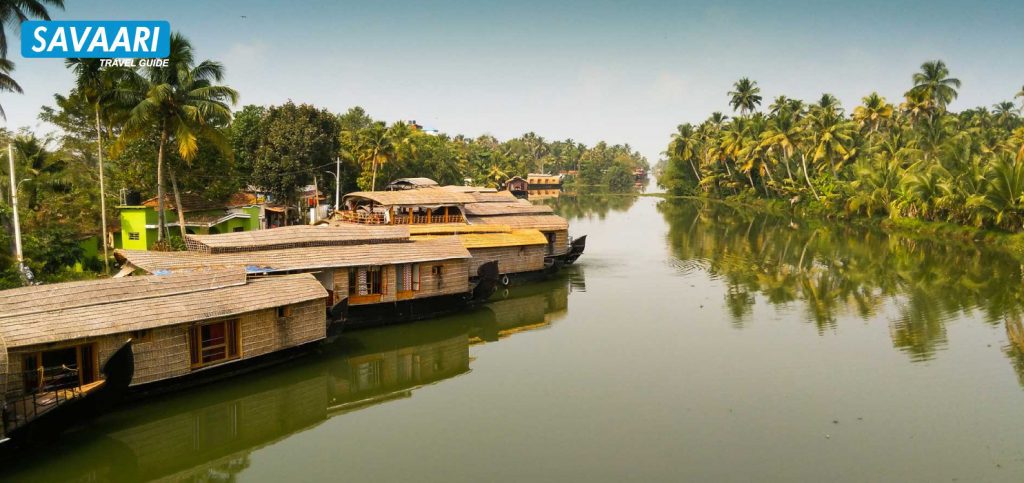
x: 912, y: 158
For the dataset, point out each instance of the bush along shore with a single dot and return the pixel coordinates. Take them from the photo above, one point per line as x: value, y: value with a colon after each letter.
x: 917, y: 167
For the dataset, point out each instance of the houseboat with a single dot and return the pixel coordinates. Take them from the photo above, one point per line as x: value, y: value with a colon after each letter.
x: 467, y: 212
x: 144, y: 332
x: 371, y: 274
x: 518, y: 186
x: 540, y: 181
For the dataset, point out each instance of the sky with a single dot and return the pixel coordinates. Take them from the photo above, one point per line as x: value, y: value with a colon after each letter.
x: 622, y: 72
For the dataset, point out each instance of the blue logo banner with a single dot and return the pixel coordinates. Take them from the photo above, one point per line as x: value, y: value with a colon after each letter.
x: 104, y: 39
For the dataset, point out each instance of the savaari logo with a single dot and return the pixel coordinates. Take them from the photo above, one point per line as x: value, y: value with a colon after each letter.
x: 106, y: 39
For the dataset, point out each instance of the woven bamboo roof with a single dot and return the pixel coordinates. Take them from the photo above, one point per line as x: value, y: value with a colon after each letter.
x: 538, y: 222
x: 517, y: 207
x: 470, y: 189
x: 414, y: 182
x: 297, y: 236
x: 69, y: 295
x: 304, y: 258
x: 426, y: 196
x: 512, y: 238
x: 455, y: 229
x: 497, y: 196
x: 139, y: 309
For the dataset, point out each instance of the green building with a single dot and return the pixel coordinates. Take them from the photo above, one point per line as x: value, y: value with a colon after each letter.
x: 242, y: 212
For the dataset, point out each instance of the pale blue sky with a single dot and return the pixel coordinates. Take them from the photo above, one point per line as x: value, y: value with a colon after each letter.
x: 625, y: 72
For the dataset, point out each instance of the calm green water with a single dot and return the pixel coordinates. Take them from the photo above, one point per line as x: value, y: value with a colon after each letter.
x: 691, y: 342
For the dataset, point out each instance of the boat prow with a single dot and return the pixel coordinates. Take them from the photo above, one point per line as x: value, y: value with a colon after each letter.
x: 576, y: 249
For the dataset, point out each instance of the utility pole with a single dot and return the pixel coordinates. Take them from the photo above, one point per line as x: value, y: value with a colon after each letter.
x: 14, y: 204
x: 337, y: 186
x: 103, y: 195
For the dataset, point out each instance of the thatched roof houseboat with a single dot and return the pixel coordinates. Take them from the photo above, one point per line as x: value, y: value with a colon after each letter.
x: 370, y: 273
x: 454, y: 207
x: 57, y: 337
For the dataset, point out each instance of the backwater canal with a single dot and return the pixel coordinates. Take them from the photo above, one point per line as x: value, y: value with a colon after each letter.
x: 691, y: 342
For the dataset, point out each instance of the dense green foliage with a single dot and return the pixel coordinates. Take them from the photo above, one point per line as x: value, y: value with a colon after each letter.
x: 914, y: 160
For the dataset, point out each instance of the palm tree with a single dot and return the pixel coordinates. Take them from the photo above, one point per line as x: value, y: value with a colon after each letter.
x: 873, y: 113
x: 1020, y: 94
x: 180, y: 103
x: 745, y: 96
x: 684, y: 146
x: 14, y: 12
x: 7, y: 83
x: 935, y: 83
x: 376, y: 148
x: 96, y: 85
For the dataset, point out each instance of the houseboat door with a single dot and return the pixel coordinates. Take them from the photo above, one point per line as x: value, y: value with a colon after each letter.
x: 551, y: 243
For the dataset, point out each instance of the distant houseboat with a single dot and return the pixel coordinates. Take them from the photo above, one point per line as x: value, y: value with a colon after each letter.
x: 371, y: 274
x: 448, y: 210
x: 179, y: 326
x: 518, y: 186
x: 540, y: 181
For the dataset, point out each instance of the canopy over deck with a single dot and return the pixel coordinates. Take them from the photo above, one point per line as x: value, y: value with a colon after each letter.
x: 539, y: 222
x: 430, y: 196
x: 296, y: 237
x: 511, y: 238
x: 500, y: 208
x: 304, y: 258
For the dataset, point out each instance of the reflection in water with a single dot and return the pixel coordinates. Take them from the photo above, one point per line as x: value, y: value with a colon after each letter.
x: 207, y: 434
x: 837, y: 269
x: 589, y: 202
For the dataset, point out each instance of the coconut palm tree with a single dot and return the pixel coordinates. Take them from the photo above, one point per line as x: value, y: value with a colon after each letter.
x: 873, y: 113
x: 684, y: 146
x: 376, y: 148
x: 14, y: 12
x: 1020, y: 94
x: 96, y: 85
x: 180, y: 104
x: 745, y: 96
x: 7, y: 83
x: 935, y: 83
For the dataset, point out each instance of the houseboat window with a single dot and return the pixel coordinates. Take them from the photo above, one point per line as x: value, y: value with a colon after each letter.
x: 408, y: 277
x: 438, y: 272
x: 285, y: 311
x: 142, y: 336
x: 365, y: 281
x: 133, y: 235
x: 238, y: 229
x: 214, y: 342
x: 60, y: 368
x: 551, y: 242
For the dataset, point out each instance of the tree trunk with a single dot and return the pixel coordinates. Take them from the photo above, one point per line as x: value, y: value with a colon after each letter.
x: 161, y: 225
x: 803, y: 161
x: 103, y: 193
x: 177, y: 204
x: 695, y: 171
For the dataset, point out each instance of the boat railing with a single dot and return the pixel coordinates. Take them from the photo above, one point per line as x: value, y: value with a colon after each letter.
x: 365, y: 218
x: 362, y: 217
x: 424, y: 219
x: 51, y: 387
